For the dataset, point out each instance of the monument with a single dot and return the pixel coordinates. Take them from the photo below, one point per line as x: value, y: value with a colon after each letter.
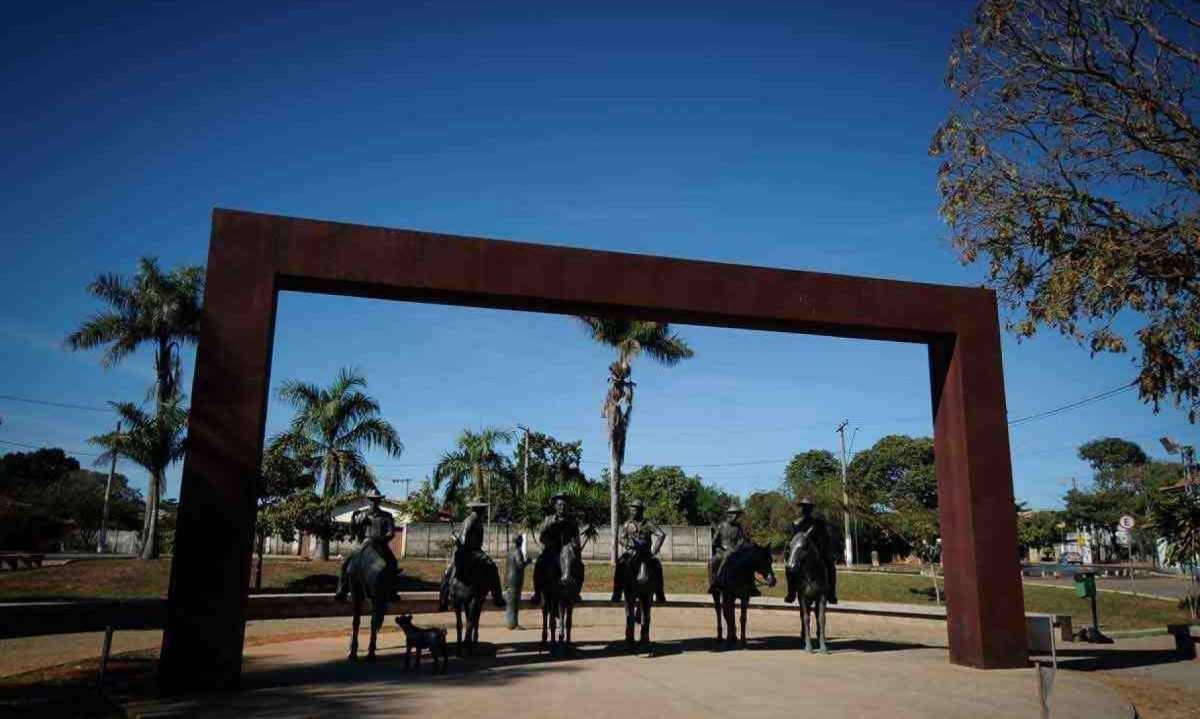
x: 252, y: 257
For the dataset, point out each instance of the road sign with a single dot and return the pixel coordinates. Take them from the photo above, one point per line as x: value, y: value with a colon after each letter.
x: 1126, y: 522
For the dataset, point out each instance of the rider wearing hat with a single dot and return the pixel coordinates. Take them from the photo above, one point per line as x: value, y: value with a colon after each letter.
x: 469, y: 548
x: 374, y: 528
x: 557, y: 530
x: 636, y: 532
x: 818, y: 530
x: 727, y: 536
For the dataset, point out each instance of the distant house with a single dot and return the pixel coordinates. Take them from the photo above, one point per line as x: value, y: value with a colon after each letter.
x: 344, y: 512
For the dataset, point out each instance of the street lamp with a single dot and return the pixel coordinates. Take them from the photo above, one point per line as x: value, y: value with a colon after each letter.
x: 1186, y: 452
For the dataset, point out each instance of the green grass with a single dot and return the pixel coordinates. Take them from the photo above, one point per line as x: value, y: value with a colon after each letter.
x: 131, y: 578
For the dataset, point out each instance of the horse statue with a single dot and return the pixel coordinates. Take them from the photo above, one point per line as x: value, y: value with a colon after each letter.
x: 560, y: 582
x: 639, y: 589
x: 737, y: 579
x: 808, y: 573
x: 370, y: 578
x: 472, y: 582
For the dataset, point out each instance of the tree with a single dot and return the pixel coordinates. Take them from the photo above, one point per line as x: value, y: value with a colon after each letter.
x: 154, y: 443
x: 586, y: 502
x: 475, y: 461
x: 1039, y: 530
x: 893, y: 490
x: 769, y: 518
x: 282, y: 476
x: 666, y: 491
x: 1176, y: 517
x: 155, y: 308
x: 1109, y: 454
x: 1072, y: 164
x: 423, y: 505
x: 332, y: 427
x: 39, y: 468
x: 630, y: 338
x: 549, y: 459
x: 78, y: 498
x: 709, y: 505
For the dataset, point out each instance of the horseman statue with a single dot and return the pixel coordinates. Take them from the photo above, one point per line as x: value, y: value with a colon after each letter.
x: 557, y: 531
x: 373, y: 528
x: 469, y: 557
x: 816, y: 531
x: 639, y: 538
x: 727, y: 536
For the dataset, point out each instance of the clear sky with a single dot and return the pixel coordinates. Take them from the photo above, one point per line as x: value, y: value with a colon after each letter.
x: 787, y: 134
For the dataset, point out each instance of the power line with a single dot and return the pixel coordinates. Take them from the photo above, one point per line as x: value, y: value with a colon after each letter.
x: 48, y: 403
x: 42, y: 446
x: 1079, y: 403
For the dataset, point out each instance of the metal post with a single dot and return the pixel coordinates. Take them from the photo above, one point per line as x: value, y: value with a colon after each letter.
x: 525, y: 477
x: 112, y: 469
x: 841, y: 430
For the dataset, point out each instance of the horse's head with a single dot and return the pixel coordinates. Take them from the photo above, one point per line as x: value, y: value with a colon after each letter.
x: 762, y: 564
x: 567, y: 559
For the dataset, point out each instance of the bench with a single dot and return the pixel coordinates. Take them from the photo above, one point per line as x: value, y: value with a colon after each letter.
x: 1186, y: 636
x: 15, y: 561
x: 1039, y: 630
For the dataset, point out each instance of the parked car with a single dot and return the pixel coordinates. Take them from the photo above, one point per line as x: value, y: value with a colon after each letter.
x: 1072, y: 558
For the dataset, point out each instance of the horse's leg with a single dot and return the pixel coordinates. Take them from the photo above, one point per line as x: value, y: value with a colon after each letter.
x: 731, y: 628
x: 717, y: 608
x: 407, y: 656
x: 821, y: 623
x: 570, y: 620
x: 805, y: 629
x: 458, y: 622
x: 628, y: 618
x: 378, y: 609
x: 354, y: 624
x: 645, y: 607
x: 745, y: 602
x: 545, y: 620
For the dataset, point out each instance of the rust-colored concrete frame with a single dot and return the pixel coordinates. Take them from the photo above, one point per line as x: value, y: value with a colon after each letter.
x: 253, y: 256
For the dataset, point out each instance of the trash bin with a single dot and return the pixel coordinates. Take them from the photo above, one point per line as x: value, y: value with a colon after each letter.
x: 1085, y: 585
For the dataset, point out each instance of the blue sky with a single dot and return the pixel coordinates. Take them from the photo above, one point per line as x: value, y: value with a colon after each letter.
x: 783, y: 134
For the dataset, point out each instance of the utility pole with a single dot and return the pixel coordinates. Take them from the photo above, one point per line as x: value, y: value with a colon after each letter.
x: 525, y: 478
x: 407, y: 481
x: 112, y: 469
x: 841, y: 430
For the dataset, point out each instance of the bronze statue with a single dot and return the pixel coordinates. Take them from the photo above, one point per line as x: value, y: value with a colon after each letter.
x: 558, y: 572
x: 417, y: 638
x: 470, y: 576
x: 737, y: 579
x: 371, y: 571
x: 809, y: 568
x: 820, y: 537
x: 638, y: 574
x: 514, y: 568
x: 727, y: 536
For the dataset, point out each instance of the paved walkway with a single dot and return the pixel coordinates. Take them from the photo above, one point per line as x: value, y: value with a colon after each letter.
x: 889, y: 667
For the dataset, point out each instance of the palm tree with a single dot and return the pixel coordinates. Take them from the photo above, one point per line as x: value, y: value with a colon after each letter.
x: 154, y: 442
x: 332, y: 427
x: 630, y: 338
x: 474, y: 460
x: 157, y: 308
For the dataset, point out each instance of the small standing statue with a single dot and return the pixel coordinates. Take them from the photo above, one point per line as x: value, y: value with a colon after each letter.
x: 514, y: 567
x: 811, y: 572
x: 370, y: 572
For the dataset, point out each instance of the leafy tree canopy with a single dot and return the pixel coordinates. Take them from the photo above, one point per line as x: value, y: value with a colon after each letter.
x: 769, y: 518
x: 1072, y: 167
x: 1108, y: 454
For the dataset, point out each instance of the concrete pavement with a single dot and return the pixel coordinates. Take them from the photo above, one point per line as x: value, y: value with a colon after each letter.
x: 890, y: 667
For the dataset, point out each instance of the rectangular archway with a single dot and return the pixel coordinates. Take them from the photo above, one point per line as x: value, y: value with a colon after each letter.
x: 254, y: 256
